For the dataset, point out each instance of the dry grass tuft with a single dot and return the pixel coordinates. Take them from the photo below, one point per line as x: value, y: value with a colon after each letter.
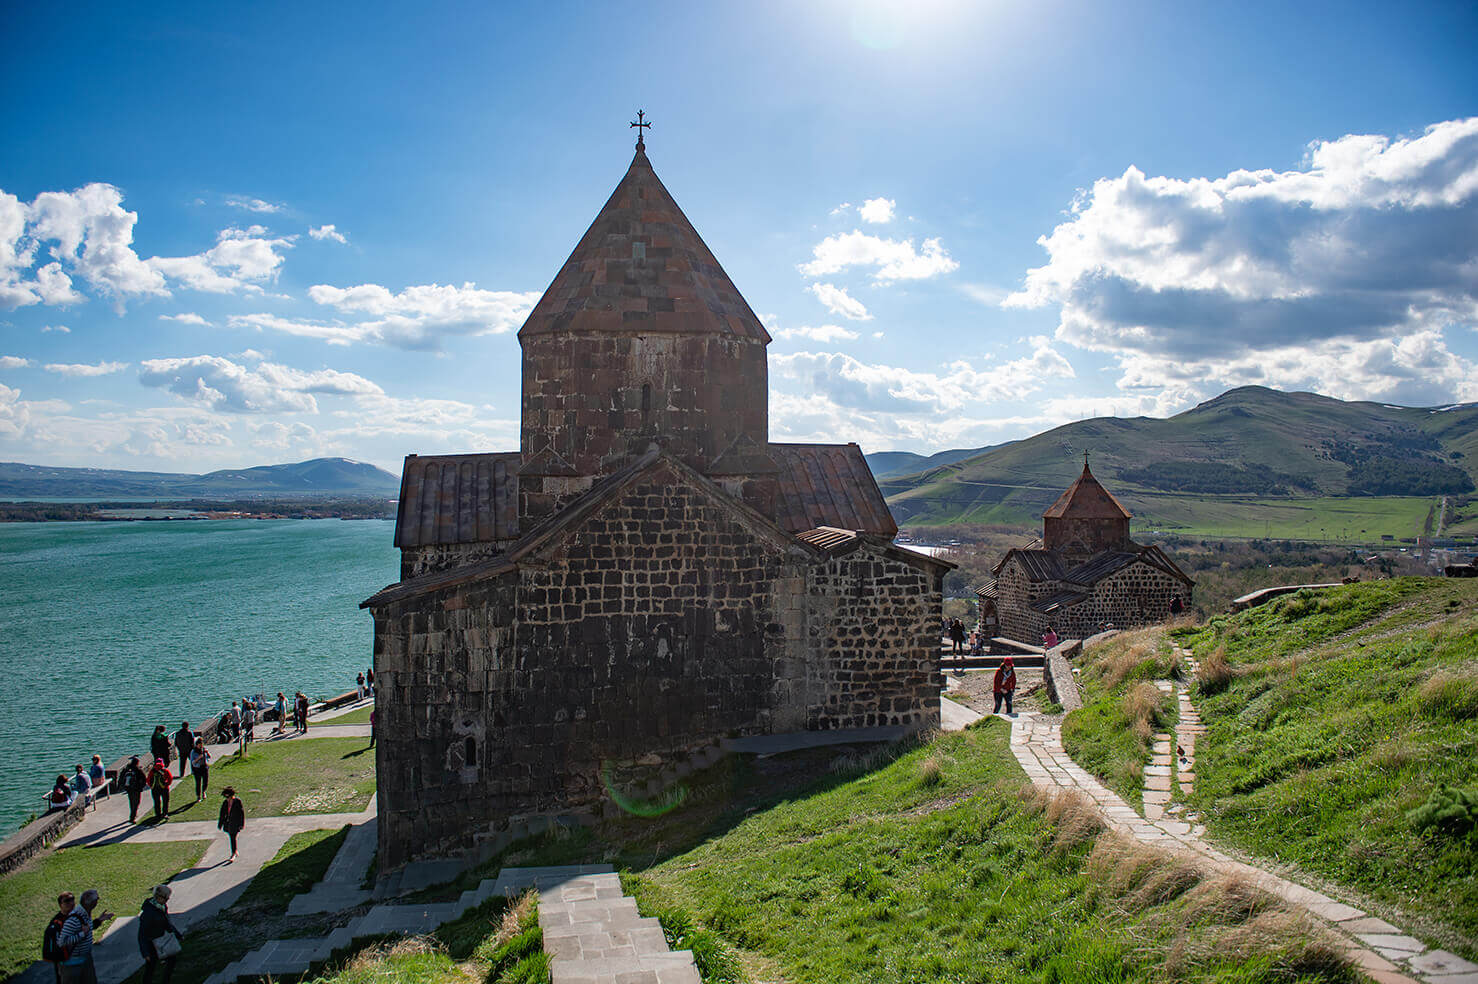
x: 1172, y: 878
x: 514, y: 916
x: 1294, y: 941
x: 931, y: 769
x: 1142, y: 706
x: 369, y: 957
x: 1214, y: 673
x: 1074, y: 817
x: 1117, y: 865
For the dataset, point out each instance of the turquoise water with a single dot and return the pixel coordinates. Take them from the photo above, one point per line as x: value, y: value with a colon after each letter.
x: 107, y: 629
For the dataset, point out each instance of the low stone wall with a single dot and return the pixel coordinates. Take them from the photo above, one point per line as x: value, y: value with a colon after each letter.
x: 33, y: 838
x: 1268, y: 594
x: 1057, y: 674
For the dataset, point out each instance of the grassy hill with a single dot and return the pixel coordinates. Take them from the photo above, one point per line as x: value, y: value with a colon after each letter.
x: 318, y: 476
x: 1251, y: 462
x: 1343, y: 739
x: 885, y: 464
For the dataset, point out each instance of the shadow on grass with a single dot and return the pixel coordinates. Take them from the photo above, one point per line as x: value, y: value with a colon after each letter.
x: 356, y: 754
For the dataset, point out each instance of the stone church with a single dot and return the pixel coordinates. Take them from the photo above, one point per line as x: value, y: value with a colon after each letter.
x: 1084, y: 573
x: 647, y: 575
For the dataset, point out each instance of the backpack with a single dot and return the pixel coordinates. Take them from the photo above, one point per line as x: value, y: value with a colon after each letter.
x: 51, y: 950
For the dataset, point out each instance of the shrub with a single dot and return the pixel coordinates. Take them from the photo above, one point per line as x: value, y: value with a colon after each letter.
x: 1074, y: 818
x: 1453, y: 812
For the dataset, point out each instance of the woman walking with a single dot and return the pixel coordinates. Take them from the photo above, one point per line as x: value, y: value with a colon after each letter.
x: 200, y: 765
x: 154, y: 926
x: 232, y: 819
x: 133, y: 782
x: 1004, y: 685
x: 159, y: 780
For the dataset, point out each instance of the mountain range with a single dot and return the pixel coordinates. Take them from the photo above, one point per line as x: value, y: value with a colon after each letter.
x: 1249, y: 445
x: 318, y: 476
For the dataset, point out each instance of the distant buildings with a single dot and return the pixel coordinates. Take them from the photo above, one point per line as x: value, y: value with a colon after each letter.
x: 1084, y: 574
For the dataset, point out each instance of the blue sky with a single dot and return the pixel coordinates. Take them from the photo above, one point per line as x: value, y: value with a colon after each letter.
x: 238, y: 236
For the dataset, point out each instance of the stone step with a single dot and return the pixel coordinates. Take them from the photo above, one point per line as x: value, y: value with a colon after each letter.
x: 673, y: 968
x: 642, y: 924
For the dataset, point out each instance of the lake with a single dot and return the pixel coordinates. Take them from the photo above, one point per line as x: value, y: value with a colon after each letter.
x: 107, y: 629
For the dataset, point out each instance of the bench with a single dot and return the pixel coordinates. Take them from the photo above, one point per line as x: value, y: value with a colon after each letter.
x: 89, y: 798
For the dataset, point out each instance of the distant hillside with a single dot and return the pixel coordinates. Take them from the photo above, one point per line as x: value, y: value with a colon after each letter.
x: 320, y: 476
x: 1250, y: 446
x: 886, y: 464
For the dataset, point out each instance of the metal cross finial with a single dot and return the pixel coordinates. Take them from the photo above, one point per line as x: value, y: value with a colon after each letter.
x: 1085, y: 459
x: 640, y: 124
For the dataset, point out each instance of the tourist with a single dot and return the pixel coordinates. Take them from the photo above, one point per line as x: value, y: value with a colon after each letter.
x: 300, y: 707
x: 957, y: 635
x: 231, y: 723
x: 977, y: 643
x: 133, y: 782
x: 154, y: 926
x: 248, y: 721
x: 76, y: 936
x: 232, y: 819
x: 200, y: 766
x: 184, y: 743
x: 1176, y: 605
x: 159, y: 780
x: 372, y: 728
x: 369, y: 680
x: 96, y: 773
x: 51, y: 949
x: 1004, y: 684
x: 80, y: 783
x: 1049, y: 639
x: 281, y: 708
x: 61, y: 795
x: 360, y: 681
x: 159, y: 744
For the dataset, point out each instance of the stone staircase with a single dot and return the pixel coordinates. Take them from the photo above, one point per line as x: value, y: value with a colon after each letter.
x: 594, y: 935
x: 291, y: 957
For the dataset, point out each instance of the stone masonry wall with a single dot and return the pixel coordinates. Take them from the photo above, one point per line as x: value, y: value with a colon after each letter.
x: 651, y: 630
x: 429, y: 559
x: 596, y: 398
x: 1136, y: 595
x: 877, y: 620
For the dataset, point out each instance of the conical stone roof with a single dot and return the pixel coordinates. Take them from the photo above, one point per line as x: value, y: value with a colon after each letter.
x: 1086, y: 499
x: 642, y: 267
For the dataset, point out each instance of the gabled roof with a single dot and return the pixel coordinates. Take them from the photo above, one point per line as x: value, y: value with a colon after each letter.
x: 1100, y: 566
x: 641, y: 266
x: 1059, y: 601
x: 457, y: 498
x: 827, y: 537
x: 1039, y: 565
x: 1086, y: 499
x: 828, y: 485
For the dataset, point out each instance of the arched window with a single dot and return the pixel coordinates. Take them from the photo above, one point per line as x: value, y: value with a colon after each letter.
x: 646, y: 404
x: 469, y: 752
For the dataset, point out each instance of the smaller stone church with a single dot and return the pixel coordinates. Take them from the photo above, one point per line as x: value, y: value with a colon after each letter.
x: 1084, y: 574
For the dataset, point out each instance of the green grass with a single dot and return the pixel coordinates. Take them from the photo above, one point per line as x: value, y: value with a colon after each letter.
x: 260, y: 914
x: 924, y: 863
x: 1111, y: 734
x: 123, y: 874
x: 360, y: 716
x: 300, y: 776
x: 1345, y: 711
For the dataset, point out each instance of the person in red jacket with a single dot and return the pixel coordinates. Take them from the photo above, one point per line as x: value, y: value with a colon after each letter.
x: 159, y: 780
x: 1004, y: 684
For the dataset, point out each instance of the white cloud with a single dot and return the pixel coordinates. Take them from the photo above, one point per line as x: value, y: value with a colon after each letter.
x: 838, y: 301
x: 418, y: 317
x: 13, y: 362
x: 59, y: 329
x: 819, y: 333
x: 328, y: 232
x: 851, y: 384
x: 252, y: 204
x: 894, y: 259
x: 877, y: 210
x: 83, y: 369
x: 1342, y: 275
x: 224, y: 385
x: 240, y: 260
x: 93, y: 234
x: 15, y: 413
x: 841, y: 209
x: 185, y: 318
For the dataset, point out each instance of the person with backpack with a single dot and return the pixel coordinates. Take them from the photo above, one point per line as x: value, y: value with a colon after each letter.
x: 200, y: 766
x: 154, y: 927
x: 76, y: 936
x: 232, y: 819
x: 159, y: 780
x: 1004, y: 684
x: 51, y: 950
x: 61, y: 796
x: 159, y: 744
x: 133, y: 782
x: 281, y: 708
x: 957, y: 635
x: 184, y: 741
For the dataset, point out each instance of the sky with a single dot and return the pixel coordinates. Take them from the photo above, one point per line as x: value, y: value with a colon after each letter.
x: 246, y: 234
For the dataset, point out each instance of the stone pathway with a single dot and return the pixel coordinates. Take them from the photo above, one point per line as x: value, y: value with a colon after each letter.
x: 594, y: 934
x: 1382, y: 951
x: 343, y: 884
